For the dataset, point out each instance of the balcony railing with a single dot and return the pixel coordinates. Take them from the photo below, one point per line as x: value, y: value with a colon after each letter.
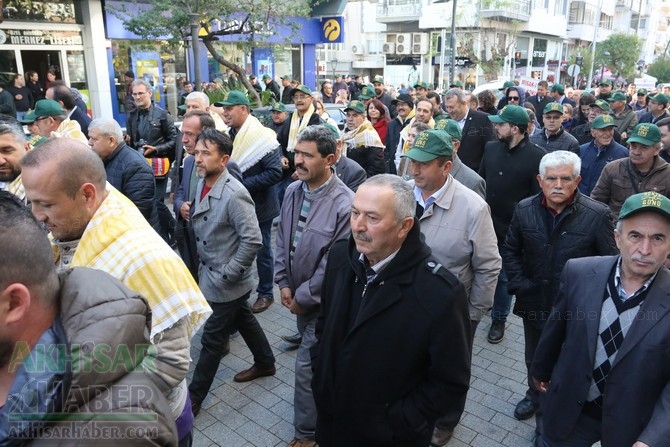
x: 505, y: 10
x: 398, y: 10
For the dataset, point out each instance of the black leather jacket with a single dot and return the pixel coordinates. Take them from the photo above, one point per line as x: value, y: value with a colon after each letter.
x: 159, y: 131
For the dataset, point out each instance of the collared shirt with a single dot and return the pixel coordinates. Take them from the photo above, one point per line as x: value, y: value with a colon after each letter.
x: 619, y: 286
x: 372, y: 271
x: 461, y: 123
x: 433, y: 197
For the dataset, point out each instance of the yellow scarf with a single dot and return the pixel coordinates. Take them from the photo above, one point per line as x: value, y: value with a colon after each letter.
x: 16, y: 188
x: 298, y: 124
x: 253, y: 142
x: 119, y: 241
x: 364, y: 135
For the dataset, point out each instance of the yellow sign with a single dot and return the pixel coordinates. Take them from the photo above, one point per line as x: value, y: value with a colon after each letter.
x: 331, y: 30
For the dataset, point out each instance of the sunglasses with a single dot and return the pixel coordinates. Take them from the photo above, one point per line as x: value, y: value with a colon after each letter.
x: 513, y: 98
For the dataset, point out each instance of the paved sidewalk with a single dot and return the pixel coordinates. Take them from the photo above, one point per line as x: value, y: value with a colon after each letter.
x: 260, y: 413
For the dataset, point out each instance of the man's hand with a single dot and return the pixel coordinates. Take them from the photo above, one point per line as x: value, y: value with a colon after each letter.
x: 284, y: 163
x: 286, y: 297
x: 295, y: 308
x: 148, y: 150
x: 542, y: 387
x: 294, y: 176
x: 185, y: 211
x: 640, y: 444
x: 171, y: 197
x: 126, y: 138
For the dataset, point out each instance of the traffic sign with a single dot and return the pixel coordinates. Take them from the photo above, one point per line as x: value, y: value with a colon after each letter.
x: 573, y: 70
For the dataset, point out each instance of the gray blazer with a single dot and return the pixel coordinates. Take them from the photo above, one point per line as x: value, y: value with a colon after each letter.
x: 227, y: 238
x: 468, y: 177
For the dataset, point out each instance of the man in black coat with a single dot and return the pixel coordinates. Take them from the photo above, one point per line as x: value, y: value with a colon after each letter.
x: 540, y: 100
x: 126, y: 169
x: 405, y: 107
x: 546, y: 231
x: 393, y: 350
x: 271, y: 86
x: 510, y: 167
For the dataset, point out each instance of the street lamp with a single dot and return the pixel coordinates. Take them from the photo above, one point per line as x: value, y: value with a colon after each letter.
x: 606, y: 54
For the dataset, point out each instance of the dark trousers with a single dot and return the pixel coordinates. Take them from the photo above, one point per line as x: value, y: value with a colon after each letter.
x: 450, y: 420
x: 532, y: 330
x: 166, y: 222
x: 225, y: 319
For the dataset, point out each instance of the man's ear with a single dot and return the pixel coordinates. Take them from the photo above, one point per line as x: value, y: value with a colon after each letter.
x: 15, y: 302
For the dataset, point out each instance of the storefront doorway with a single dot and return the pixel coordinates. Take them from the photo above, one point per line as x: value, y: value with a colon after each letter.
x: 42, y: 62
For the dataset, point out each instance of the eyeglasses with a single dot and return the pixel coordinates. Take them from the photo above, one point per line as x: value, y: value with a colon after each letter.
x: 513, y: 98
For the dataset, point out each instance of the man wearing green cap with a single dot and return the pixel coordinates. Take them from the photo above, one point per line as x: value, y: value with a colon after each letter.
x: 51, y: 120
x: 658, y: 109
x: 664, y: 126
x: 642, y: 170
x: 456, y: 224
x: 583, y: 131
x: 271, y: 86
x: 12, y: 148
x: 602, y: 360
x: 553, y: 137
x: 385, y: 98
x: 641, y: 102
x: 605, y: 89
x: 510, y: 167
x: 286, y: 89
x: 362, y: 140
x: 601, y: 150
x: 624, y: 117
x: 558, y: 95
x: 279, y: 113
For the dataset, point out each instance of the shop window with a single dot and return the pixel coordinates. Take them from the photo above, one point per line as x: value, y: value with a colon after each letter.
x: 53, y: 11
x: 9, y: 69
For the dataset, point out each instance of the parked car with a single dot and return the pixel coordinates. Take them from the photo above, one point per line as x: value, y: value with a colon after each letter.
x: 335, y: 111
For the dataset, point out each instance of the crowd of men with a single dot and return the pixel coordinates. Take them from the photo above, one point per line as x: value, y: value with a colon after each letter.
x: 388, y: 253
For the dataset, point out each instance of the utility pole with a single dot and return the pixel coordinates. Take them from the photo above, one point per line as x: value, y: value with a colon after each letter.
x: 195, y: 45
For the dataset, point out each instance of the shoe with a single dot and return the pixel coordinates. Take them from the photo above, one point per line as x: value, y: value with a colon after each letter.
x: 294, y: 339
x: 195, y: 408
x: 497, y: 332
x: 254, y: 373
x: 261, y: 305
x: 302, y: 443
x: 441, y: 436
x: 525, y: 409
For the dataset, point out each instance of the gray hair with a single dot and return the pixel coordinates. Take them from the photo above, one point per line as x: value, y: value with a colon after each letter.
x: 405, y: 202
x: 324, y: 138
x: 200, y: 96
x: 457, y: 92
x: 107, y: 127
x: 560, y: 158
x: 143, y: 82
x: 15, y: 130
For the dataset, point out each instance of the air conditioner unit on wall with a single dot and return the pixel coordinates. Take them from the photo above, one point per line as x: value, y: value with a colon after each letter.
x: 404, y: 39
x: 390, y: 38
x: 419, y: 43
x: 389, y: 48
x: 403, y: 48
x: 358, y: 49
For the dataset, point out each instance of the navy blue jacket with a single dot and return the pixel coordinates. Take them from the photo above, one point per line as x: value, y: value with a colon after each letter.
x: 594, y: 160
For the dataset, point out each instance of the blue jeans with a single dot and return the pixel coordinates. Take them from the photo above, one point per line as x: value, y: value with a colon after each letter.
x: 265, y: 261
x: 304, y: 408
x: 502, y: 301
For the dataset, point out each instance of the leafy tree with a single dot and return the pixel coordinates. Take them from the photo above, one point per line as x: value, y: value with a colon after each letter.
x: 660, y: 70
x: 624, y: 51
x: 170, y: 20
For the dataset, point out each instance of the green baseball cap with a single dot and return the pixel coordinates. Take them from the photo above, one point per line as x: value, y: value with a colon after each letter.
x: 558, y: 88
x: 659, y: 98
x: 286, y: 77
x: 457, y: 84
x: 429, y: 145
x: 378, y: 80
x: 642, y: 91
x: 645, y: 133
x: 356, y: 105
x: 423, y: 85
x: 617, y: 96
x: 266, y: 76
x: 511, y: 114
x: 603, y: 121
x: 301, y: 88
x: 234, y: 98
x: 553, y: 107
x: 278, y: 107
x: 507, y: 85
x: 646, y: 201
x: 332, y: 130
x: 44, y: 108
x: 602, y: 104
x: 451, y: 127
x: 605, y: 82
x: 367, y: 92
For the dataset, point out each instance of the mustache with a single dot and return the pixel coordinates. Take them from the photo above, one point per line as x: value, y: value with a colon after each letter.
x: 644, y: 259
x: 361, y: 236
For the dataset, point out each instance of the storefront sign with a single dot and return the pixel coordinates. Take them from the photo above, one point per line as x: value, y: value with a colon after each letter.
x: 40, y: 37
x: 332, y: 30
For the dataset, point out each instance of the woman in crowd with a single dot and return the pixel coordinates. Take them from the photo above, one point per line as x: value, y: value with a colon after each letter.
x: 378, y: 116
